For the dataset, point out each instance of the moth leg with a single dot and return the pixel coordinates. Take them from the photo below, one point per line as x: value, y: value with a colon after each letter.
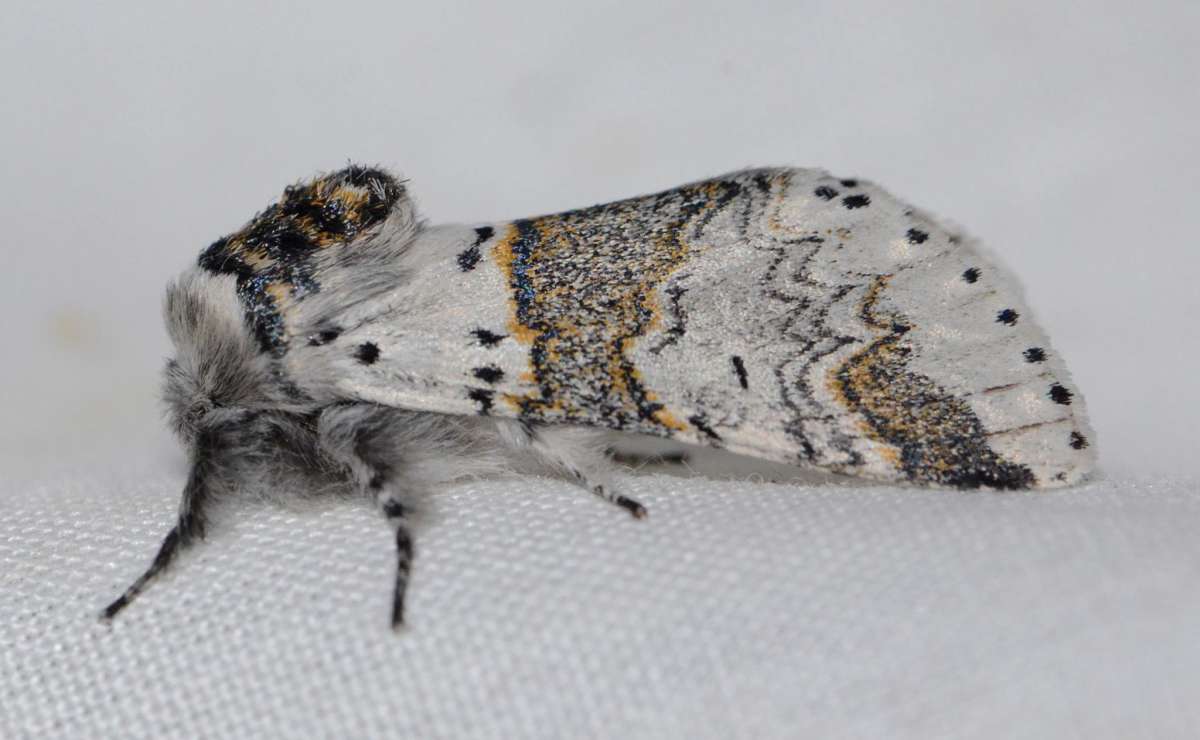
x: 558, y: 449
x: 188, y: 528
x: 639, y: 460
x: 352, y: 435
x: 395, y: 513
x: 607, y: 493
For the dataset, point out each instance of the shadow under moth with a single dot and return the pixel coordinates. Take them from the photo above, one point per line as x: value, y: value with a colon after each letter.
x: 338, y: 344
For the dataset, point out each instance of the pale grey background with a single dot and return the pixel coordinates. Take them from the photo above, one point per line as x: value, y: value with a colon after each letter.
x: 1061, y: 133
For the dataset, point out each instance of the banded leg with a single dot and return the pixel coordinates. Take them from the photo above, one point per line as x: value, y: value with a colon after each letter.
x: 355, y: 435
x: 556, y: 450
x: 394, y: 511
x: 608, y: 494
x: 188, y: 528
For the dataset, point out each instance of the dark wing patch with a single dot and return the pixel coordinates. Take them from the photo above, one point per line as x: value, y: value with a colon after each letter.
x: 488, y: 338
x: 739, y: 367
x: 367, y: 353
x: 489, y: 374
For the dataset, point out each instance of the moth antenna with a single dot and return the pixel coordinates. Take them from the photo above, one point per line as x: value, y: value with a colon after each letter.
x: 184, y: 533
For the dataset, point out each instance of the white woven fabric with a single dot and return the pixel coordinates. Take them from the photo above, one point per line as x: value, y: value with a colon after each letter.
x: 737, y: 609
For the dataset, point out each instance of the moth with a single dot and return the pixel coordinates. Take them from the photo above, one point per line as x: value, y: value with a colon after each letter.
x: 338, y: 345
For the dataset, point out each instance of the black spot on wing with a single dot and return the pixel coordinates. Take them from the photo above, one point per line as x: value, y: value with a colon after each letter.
x: 488, y: 373
x: 971, y: 274
x: 1035, y: 354
x: 856, y: 201
x: 324, y: 337
x: 825, y: 192
x: 916, y: 236
x: 482, y: 234
x: 1007, y: 316
x: 739, y: 367
x: 488, y: 338
x: 483, y: 398
x: 849, y: 183
x: 367, y: 353
x: 1078, y: 441
x: 701, y: 423
x: 1060, y: 395
x: 468, y: 258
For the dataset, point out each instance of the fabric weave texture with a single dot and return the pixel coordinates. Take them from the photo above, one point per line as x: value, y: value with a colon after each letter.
x: 738, y: 609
